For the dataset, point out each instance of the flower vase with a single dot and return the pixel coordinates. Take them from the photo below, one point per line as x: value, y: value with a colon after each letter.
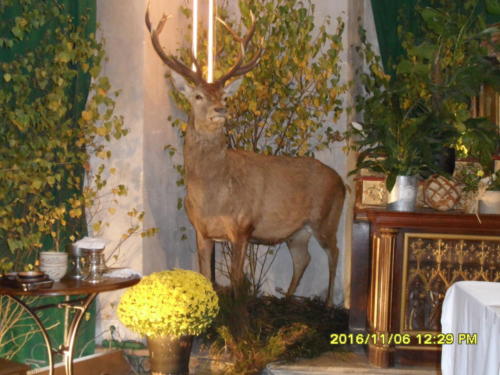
x: 170, y: 355
x: 403, y: 195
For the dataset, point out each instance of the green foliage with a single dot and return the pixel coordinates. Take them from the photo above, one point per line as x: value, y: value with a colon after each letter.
x: 470, y: 176
x: 45, y: 137
x: 289, y: 102
x: 394, y: 139
x: 251, y: 354
x: 286, y: 105
x: 56, y: 112
x: 447, y: 67
x: 5, y: 265
x: 50, y: 128
x: 410, y: 117
x: 273, y: 329
x: 474, y: 179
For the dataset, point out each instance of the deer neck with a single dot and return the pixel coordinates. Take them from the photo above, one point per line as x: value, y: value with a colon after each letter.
x: 204, y: 153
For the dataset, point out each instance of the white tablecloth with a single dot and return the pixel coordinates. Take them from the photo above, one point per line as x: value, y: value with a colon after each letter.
x: 472, y: 307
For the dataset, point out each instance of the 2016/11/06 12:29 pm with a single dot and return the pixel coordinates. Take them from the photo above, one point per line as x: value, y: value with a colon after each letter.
x: 403, y: 338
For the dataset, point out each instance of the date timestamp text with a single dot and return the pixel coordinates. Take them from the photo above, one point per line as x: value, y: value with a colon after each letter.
x: 403, y: 338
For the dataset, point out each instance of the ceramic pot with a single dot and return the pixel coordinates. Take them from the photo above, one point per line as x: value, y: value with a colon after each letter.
x: 490, y: 202
x: 54, y: 264
x: 403, y: 196
x: 170, y: 355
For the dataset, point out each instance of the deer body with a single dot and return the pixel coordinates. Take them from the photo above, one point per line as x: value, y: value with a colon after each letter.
x: 242, y: 197
x: 275, y: 195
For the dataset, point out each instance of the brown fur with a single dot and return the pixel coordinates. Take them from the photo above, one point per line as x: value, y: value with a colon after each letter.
x: 243, y: 197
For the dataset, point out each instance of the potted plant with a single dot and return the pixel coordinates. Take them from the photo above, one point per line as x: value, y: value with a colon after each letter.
x: 423, y: 110
x: 169, y: 308
x: 445, y: 66
x: 393, y: 139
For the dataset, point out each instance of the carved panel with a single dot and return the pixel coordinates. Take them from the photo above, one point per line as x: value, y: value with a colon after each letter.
x: 432, y: 262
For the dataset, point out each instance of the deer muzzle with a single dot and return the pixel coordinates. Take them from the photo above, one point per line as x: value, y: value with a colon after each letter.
x: 219, y: 114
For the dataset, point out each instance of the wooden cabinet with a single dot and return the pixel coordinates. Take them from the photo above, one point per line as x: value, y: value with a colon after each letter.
x: 402, y: 265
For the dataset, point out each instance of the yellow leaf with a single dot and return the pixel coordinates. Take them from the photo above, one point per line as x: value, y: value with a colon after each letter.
x: 102, y: 155
x: 76, y: 212
x: 87, y: 115
x: 102, y: 131
x: 96, y: 227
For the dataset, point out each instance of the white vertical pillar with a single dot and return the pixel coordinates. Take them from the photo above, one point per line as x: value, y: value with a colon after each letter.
x: 211, y: 40
x: 194, y: 36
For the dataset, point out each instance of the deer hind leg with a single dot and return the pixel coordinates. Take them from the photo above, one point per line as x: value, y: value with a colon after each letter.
x: 205, y: 248
x: 326, y: 234
x: 332, y: 253
x: 297, y: 245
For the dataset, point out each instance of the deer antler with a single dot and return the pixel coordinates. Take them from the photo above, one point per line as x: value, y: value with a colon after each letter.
x: 238, y: 68
x: 196, y: 76
x: 172, y: 62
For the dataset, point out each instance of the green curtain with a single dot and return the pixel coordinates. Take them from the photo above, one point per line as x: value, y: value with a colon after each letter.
x: 34, y: 351
x: 389, y: 15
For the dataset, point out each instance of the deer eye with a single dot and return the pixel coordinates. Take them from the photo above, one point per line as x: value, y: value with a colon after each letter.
x: 198, y: 97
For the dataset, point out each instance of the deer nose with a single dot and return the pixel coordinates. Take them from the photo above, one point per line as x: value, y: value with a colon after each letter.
x: 220, y: 110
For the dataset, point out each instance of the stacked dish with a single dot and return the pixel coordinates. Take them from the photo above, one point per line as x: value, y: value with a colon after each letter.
x: 54, y: 264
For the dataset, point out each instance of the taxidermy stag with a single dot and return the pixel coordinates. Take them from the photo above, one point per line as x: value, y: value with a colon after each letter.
x: 244, y: 197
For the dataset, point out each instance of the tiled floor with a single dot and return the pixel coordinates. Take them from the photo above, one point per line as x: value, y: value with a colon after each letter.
x: 348, y: 362
x: 352, y: 363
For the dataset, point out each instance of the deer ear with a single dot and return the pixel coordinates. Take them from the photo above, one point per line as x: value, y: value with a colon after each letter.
x: 180, y: 83
x: 231, y: 89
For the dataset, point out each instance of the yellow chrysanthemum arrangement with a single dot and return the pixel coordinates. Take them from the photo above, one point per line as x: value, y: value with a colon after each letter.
x: 176, y: 303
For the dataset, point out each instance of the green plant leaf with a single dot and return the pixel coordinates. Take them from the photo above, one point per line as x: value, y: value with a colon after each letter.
x: 493, y: 7
x: 390, y: 181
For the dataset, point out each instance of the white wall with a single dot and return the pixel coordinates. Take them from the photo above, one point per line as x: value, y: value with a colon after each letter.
x: 146, y: 169
x: 140, y: 159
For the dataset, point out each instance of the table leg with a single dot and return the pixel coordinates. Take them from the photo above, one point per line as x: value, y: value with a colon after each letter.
x: 70, y: 335
x: 42, y: 330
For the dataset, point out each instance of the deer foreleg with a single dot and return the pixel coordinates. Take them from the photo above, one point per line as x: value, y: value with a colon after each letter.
x: 205, y: 249
x: 239, y: 248
x: 297, y: 245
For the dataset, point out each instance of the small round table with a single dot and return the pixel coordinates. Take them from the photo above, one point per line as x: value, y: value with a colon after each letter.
x: 67, y: 287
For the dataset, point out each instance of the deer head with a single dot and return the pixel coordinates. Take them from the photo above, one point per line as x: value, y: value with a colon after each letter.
x: 208, y: 104
x: 207, y: 99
